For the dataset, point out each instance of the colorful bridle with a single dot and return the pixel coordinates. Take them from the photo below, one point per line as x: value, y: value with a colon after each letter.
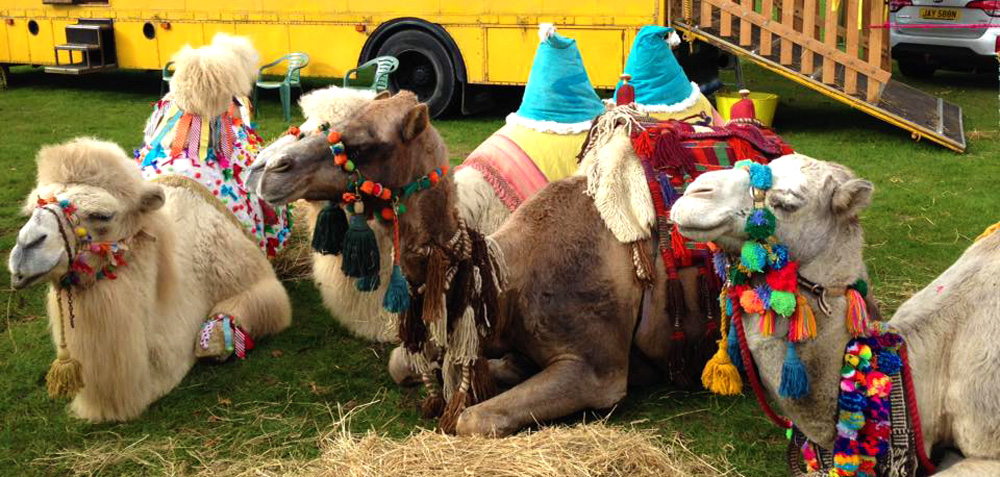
x: 110, y: 255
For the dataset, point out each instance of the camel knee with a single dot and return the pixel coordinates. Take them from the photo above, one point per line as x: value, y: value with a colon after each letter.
x: 262, y: 309
x: 401, y: 369
x: 478, y: 421
x: 970, y: 467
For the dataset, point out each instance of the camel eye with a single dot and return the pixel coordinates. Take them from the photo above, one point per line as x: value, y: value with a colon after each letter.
x: 786, y: 201
x: 101, y: 216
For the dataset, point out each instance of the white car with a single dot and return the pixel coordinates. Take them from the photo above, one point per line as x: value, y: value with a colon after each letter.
x: 947, y: 34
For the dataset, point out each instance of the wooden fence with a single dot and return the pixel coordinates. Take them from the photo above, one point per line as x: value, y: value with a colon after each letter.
x: 825, y: 41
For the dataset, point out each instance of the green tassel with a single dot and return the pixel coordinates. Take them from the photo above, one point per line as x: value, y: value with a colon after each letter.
x: 397, y: 296
x: 368, y: 284
x: 783, y: 303
x: 794, y: 380
x: 331, y: 226
x: 361, y: 259
x: 862, y: 287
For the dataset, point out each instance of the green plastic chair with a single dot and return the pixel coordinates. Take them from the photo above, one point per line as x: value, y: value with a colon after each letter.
x: 167, y: 74
x: 384, y: 65
x: 296, y: 61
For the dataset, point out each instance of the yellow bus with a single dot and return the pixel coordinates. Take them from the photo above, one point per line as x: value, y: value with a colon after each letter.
x: 444, y: 46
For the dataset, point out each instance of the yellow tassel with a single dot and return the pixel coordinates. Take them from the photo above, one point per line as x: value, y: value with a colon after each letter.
x: 65, y: 377
x: 720, y: 375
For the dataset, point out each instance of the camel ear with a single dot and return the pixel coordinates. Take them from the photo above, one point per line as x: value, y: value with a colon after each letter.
x: 384, y: 94
x: 416, y: 121
x: 851, y: 197
x: 152, y: 199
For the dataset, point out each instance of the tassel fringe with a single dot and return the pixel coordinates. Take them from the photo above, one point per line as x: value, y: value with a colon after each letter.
x: 65, y: 376
x: 794, y: 379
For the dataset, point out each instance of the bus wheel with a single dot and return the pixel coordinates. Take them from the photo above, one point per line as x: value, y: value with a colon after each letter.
x: 425, y: 68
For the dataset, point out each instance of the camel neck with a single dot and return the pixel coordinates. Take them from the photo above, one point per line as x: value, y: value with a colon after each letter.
x: 431, y: 221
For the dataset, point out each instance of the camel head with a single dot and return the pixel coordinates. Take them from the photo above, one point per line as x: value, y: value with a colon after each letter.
x: 389, y: 141
x: 816, y: 204
x: 332, y: 106
x: 85, y: 188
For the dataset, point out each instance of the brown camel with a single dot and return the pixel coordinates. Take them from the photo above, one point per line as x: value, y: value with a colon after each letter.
x: 571, y: 304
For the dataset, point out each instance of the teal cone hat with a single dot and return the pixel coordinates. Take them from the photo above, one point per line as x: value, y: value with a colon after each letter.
x: 659, y: 81
x: 558, y: 97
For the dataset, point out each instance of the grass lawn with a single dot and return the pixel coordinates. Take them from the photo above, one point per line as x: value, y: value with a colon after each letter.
x: 929, y: 204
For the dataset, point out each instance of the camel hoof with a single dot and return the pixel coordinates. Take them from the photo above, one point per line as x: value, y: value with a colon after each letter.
x: 400, y: 370
x: 472, y: 422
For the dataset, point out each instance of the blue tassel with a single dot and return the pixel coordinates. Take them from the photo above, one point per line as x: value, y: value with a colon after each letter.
x: 397, y: 296
x: 368, y: 284
x: 733, y: 346
x: 360, y: 250
x: 794, y: 380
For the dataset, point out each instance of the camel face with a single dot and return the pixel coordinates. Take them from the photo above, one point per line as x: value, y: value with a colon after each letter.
x: 299, y: 169
x: 811, y: 199
x: 373, y: 140
x: 40, y: 253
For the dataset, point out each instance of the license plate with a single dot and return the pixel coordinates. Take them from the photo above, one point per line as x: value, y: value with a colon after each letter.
x: 939, y: 13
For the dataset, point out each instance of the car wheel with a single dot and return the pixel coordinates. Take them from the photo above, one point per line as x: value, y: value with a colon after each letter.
x: 916, y: 69
x: 425, y: 68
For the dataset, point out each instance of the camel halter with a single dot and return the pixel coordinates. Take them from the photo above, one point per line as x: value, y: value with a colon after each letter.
x: 334, y: 234
x: 874, y: 412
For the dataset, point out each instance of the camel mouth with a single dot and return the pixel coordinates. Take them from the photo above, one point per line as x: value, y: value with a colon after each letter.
x: 703, y: 233
x: 19, y: 282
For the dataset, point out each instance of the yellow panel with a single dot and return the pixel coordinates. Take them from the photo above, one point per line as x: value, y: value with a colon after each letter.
x: 332, y: 49
x: 17, y: 37
x: 59, y: 38
x: 510, y: 53
x: 41, y: 48
x: 603, y: 54
x: 170, y: 41
x: 134, y: 49
x: 4, y: 44
x: 307, y: 6
x: 211, y: 29
x: 271, y: 41
x: 470, y: 43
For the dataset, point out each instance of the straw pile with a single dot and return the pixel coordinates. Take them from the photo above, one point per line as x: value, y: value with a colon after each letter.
x: 582, y: 450
x: 294, y: 261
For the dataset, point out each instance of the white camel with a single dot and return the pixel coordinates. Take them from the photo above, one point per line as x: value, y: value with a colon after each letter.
x: 131, y: 327
x: 949, y: 327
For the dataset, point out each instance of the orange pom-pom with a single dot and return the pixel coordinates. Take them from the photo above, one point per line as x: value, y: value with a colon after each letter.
x: 751, y: 302
x: 386, y: 194
x: 388, y: 214
x: 293, y: 131
x: 433, y: 176
x: 444, y: 169
x: 367, y: 187
x: 340, y: 159
x: 333, y: 137
x: 349, y: 197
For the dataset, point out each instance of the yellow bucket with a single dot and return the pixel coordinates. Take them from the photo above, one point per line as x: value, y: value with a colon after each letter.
x: 764, y: 104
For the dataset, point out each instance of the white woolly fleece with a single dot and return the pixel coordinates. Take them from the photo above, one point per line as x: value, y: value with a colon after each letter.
x: 549, y: 126
x: 331, y: 105
x: 545, y: 30
x: 206, y: 79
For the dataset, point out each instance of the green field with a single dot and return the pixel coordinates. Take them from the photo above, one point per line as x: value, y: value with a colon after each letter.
x: 929, y: 204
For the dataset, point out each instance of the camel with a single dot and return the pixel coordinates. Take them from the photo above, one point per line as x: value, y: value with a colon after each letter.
x: 817, y: 205
x: 134, y: 269
x: 569, y: 300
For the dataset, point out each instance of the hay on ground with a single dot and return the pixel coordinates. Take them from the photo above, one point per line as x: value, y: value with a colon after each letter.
x: 581, y: 450
x: 294, y: 261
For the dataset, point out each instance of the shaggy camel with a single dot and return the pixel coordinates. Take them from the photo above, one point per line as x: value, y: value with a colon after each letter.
x: 571, y: 302
x: 134, y: 333
x: 817, y: 205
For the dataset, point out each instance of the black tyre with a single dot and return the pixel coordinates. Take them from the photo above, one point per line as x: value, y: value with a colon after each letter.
x: 916, y: 69
x: 425, y: 68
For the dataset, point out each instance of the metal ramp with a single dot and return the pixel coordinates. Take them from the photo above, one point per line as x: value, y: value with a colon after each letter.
x: 826, y: 47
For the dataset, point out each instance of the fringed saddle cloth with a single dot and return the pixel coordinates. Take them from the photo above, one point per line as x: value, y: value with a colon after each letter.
x: 212, y: 155
x: 517, y: 161
x: 637, y: 167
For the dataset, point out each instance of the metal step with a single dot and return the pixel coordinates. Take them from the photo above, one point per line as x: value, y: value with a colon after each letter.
x: 79, y: 68
x: 78, y: 47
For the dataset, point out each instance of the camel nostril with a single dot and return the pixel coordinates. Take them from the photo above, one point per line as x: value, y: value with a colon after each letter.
x: 37, y: 241
x: 282, y: 164
x: 699, y: 190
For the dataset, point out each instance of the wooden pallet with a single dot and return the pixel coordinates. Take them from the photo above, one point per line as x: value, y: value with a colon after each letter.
x: 827, y: 47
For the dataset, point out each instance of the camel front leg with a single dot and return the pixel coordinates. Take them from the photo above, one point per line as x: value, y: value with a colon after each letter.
x: 262, y: 309
x: 564, y: 387
x: 971, y: 467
